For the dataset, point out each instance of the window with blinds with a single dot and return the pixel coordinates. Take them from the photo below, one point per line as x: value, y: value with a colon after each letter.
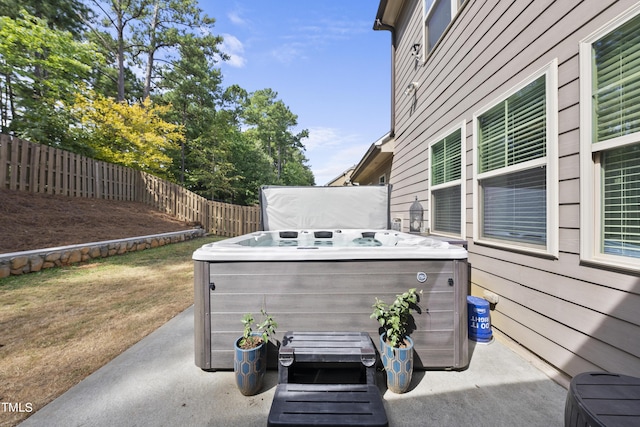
x: 621, y: 201
x: 512, y: 147
x: 616, y: 119
x: 446, y: 164
x: 515, y: 207
x: 514, y: 131
x: 446, y: 175
x: 616, y: 98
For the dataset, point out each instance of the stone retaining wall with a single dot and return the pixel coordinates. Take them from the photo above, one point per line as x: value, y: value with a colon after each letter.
x: 31, y: 261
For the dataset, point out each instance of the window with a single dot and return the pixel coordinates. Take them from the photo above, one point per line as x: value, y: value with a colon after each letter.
x: 382, y: 180
x: 446, y: 184
x: 515, y: 197
x: 610, y: 143
x: 437, y: 16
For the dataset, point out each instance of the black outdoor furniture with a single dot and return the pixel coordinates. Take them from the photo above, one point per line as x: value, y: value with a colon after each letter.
x: 603, y: 399
x: 327, y: 379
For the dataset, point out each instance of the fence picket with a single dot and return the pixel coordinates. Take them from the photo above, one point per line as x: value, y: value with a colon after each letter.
x: 5, y: 141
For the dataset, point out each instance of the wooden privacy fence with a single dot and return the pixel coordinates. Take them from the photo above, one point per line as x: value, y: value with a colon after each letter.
x: 37, y: 168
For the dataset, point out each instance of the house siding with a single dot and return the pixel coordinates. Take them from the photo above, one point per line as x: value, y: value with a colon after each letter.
x: 576, y: 317
x: 372, y: 177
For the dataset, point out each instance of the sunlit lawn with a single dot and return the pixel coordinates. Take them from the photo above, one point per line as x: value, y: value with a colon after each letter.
x: 60, y: 325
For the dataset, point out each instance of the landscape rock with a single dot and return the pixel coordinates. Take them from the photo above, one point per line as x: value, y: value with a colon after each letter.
x: 19, y: 262
x: 35, y: 263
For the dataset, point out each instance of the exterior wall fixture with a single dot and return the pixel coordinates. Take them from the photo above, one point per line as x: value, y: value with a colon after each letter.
x: 416, y: 215
x: 411, y: 88
x: 415, y: 52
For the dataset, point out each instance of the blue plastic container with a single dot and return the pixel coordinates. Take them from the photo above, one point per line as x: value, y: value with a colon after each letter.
x: 479, y: 319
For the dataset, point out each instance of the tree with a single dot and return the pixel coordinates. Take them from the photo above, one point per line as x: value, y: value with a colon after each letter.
x: 169, y: 25
x: 253, y: 167
x: 62, y: 15
x: 104, y: 76
x: 297, y: 172
x: 42, y: 70
x: 119, y: 16
x: 193, y: 88
x: 270, y: 122
x: 131, y: 135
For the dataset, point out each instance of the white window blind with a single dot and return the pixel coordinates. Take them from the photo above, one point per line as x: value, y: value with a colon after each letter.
x: 513, y: 201
x: 447, y: 210
x: 621, y: 201
x: 514, y: 131
x: 446, y: 163
x: 617, y: 94
x: 515, y: 207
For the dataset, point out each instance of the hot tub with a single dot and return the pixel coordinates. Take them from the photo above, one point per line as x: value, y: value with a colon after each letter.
x: 327, y: 279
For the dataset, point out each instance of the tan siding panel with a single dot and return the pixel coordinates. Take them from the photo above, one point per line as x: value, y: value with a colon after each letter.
x: 570, y: 240
x: 595, y: 351
x: 616, y: 303
x: 569, y: 216
x: 567, y: 266
x: 549, y: 351
x: 569, y: 191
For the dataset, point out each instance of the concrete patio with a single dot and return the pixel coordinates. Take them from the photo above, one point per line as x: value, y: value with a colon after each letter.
x: 156, y: 383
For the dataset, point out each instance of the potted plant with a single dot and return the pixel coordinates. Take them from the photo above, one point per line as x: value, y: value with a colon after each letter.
x: 396, y: 348
x: 250, y: 353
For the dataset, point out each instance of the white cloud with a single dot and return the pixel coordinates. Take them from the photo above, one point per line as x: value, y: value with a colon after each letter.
x: 324, y: 137
x: 301, y: 40
x: 289, y: 52
x: 235, y: 49
x: 331, y: 152
x: 327, y: 168
x: 235, y: 18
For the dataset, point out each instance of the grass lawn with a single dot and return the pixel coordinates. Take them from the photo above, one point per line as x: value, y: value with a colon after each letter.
x: 60, y: 325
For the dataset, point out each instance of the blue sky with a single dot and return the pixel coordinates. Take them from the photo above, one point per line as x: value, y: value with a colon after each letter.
x: 325, y: 62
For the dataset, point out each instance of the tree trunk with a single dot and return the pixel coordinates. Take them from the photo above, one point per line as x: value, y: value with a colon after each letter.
x: 151, y: 51
x: 120, y: 59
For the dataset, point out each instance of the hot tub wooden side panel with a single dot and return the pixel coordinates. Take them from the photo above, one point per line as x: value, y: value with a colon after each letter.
x: 335, y: 296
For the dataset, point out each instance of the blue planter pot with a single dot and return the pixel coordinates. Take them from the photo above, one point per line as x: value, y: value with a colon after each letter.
x: 249, y: 367
x: 398, y: 364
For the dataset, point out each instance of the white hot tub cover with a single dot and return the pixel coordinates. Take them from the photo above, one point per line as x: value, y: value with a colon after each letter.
x: 299, y: 208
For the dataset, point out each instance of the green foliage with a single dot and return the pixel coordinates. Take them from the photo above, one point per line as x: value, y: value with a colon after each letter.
x: 131, y: 135
x: 41, y: 69
x: 64, y: 15
x: 266, y: 328
x: 395, y: 319
x: 222, y: 143
x: 269, y: 123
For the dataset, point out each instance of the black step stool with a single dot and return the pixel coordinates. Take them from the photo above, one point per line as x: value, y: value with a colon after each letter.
x: 312, y: 369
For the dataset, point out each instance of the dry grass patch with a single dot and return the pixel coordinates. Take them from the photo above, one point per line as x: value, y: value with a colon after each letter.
x: 60, y: 325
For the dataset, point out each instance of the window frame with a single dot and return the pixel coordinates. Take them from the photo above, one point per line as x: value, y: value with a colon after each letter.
x: 591, y: 216
x: 461, y: 181
x: 428, y: 9
x: 550, y: 161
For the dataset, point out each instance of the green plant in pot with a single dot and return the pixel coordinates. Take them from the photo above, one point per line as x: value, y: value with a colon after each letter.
x: 396, y: 347
x: 250, y: 352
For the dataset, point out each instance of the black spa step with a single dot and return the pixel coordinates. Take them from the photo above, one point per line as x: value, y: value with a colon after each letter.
x: 327, y: 405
